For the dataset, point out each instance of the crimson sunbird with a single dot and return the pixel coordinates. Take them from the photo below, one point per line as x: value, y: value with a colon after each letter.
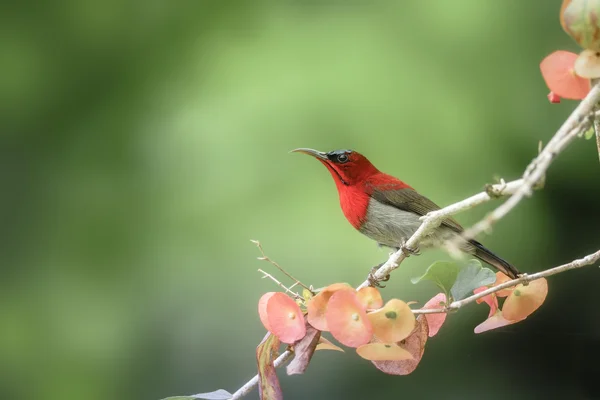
x: 387, y: 210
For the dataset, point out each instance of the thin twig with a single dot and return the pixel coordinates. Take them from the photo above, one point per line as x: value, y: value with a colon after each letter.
x: 248, y: 386
x: 287, y: 290
x: 279, y: 267
x: 455, y: 305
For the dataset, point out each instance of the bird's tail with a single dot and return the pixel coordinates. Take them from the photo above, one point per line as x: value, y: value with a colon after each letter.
x: 487, y: 256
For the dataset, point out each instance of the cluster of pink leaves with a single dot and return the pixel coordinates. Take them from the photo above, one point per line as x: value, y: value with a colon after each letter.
x: 387, y: 334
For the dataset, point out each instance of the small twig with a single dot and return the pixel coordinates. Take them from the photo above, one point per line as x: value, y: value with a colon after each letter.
x: 248, y: 386
x: 536, y: 171
x: 455, y: 305
x: 287, y: 290
x: 279, y: 267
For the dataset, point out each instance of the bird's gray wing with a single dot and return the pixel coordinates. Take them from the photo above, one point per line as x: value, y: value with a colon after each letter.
x: 409, y: 200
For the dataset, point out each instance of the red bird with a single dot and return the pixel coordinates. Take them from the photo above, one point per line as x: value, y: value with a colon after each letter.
x: 388, y: 210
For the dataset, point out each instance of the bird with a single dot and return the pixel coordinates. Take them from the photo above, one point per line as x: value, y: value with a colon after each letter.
x: 388, y: 210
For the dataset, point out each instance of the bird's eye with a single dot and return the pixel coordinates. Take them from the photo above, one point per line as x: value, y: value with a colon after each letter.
x: 342, y: 158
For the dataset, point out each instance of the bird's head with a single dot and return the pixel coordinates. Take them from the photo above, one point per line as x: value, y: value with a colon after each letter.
x: 347, y: 167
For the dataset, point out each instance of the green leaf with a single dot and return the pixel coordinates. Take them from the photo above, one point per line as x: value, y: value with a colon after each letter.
x: 470, y: 277
x: 268, y: 383
x: 442, y: 273
x: 589, y: 133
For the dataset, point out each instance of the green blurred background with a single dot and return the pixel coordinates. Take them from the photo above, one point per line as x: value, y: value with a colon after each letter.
x: 143, y: 144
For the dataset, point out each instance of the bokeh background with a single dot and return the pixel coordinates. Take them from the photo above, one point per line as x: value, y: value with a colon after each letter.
x: 144, y: 144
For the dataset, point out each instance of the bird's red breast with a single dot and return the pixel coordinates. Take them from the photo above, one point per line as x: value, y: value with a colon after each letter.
x: 355, y: 199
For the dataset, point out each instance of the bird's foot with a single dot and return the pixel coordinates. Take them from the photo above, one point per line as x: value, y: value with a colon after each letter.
x: 410, y: 251
x: 373, y: 281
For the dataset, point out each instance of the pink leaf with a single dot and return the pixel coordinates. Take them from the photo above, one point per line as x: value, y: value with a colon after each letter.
x: 493, y: 322
x: 490, y: 299
x: 435, y: 321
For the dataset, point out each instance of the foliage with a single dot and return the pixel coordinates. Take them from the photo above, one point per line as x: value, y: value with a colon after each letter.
x: 387, y: 334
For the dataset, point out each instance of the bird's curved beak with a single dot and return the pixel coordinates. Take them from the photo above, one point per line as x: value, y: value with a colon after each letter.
x: 315, y: 153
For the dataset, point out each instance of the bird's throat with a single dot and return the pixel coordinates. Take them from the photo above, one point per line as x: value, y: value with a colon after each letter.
x: 354, y: 202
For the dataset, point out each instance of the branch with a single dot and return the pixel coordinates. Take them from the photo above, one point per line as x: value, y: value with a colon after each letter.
x: 579, y: 120
x: 279, y: 267
x: 287, y: 289
x: 525, y: 278
x: 248, y: 386
x: 433, y: 219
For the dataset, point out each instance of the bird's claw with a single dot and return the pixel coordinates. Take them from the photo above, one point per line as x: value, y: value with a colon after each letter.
x: 409, y: 251
x: 373, y: 281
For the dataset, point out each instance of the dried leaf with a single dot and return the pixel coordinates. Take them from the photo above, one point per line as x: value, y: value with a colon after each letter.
x: 414, y: 344
x: 268, y: 383
x: 303, y: 351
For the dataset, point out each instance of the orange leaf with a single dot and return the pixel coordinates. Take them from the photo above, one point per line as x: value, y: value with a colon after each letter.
x: 317, y: 306
x: 435, y: 321
x: 414, y: 344
x: 524, y: 300
x: 383, y: 352
x: 501, y: 278
x: 285, y: 318
x: 370, y: 298
x: 394, y: 322
x: 558, y: 72
x: 493, y: 322
x: 347, y: 319
x: 325, y: 344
